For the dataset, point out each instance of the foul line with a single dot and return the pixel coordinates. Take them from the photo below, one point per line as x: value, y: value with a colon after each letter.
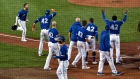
x: 11, y: 36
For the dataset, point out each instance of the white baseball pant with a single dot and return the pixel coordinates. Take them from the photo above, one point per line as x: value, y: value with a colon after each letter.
x: 62, y: 70
x: 105, y: 55
x: 93, y: 46
x: 22, y: 27
x: 43, y: 35
x: 70, y: 49
x: 92, y: 43
x: 53, y: 48
x: 115, y: 41
x: 81, y: 53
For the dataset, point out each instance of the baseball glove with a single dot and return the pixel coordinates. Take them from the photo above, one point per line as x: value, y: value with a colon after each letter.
x: 14, y: 27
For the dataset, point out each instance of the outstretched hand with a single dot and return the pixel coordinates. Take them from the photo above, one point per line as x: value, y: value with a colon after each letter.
x: 102, y: 10
x: 126, y: 11
x: 33, y: 28
x: 53, y: 10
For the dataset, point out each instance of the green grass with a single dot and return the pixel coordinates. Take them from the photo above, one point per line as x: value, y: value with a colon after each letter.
x: 66, y: 14
x: 12, y: 56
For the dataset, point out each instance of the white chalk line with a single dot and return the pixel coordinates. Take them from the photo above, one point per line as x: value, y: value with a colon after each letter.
x: 11, y: 36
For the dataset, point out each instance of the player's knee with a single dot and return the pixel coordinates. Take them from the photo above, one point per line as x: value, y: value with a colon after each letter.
x: 58, y: 73
x: 118, y: 48
x: 102, y: 60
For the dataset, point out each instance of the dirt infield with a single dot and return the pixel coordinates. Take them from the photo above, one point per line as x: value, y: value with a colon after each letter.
x: 129, y: 68
x: 107, y: 3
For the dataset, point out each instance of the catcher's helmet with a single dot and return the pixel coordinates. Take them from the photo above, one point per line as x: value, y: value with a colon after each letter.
x: 14, y: 27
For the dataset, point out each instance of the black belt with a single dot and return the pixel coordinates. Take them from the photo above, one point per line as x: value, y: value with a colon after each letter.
x: 63, y: 60
x: 54, y: 42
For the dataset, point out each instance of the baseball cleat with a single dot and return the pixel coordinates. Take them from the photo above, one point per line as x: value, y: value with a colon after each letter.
x: 119, y: 62
x: 117, y: 73
x: 86, y: 62
x: 24, y: 40
x: 74, y: 65
x: 94, y: 62
x: 85, y: 67
x: 100, y: 74
x: 47, y: 69
x: 40, y: 55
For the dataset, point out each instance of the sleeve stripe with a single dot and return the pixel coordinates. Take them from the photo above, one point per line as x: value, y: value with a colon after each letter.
x: 122, y: 21
x: 52, y: 15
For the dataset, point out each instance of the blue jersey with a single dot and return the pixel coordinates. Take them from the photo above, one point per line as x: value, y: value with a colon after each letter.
x: 53, y: 33
x: 105, y: 41
x: 22, y: 14
x: 92, y: 30
x: 45, y: 20
x: 82, y: 34
x: 74, y: 31
x: 63, y: 56
x: 114, y: 25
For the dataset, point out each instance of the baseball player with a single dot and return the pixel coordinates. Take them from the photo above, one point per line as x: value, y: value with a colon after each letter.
x: 63, y: 56
x: 73, y: 35
x: 92, y: 34
x: 21, y: 19
x: 53, y: 45
x: 45, y: 26
x: 114, y: 34
x: 81, y: 45
x: 104, y: 50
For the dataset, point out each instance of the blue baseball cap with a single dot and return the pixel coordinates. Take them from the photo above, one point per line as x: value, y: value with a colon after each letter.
x: 61, y: 38
x: 107, y: 27
x: 47, y: 12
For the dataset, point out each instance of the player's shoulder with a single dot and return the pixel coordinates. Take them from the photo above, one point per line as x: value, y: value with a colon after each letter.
x: 41, y: 17
x: 21, y: 10
x: 65, y: 46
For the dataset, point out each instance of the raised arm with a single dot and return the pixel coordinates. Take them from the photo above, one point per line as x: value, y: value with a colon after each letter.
x: 54, y: 13
x: 103, y: 17
x: 125, y: 16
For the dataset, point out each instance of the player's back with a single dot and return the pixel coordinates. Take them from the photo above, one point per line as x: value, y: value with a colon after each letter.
x: 82, y: 34
x: 91, y: 28
x: 64, y: 51
x: 53, y: 33
x: 115, y: 27
x: 104, y: 41
x: 45, y: 22
x: 74, y: 30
